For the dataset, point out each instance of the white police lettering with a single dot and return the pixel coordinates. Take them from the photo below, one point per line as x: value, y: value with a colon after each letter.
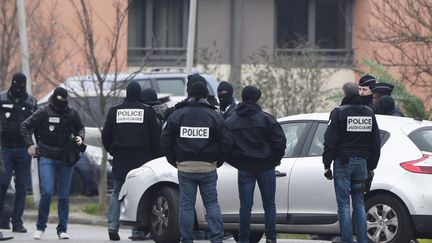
x: 10, y: 106
x: 54, y: 119
x: 359, y: 124
x: 130, y: 116
x: 194, y: 132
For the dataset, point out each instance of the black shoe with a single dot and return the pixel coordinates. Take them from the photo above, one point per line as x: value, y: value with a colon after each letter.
x: 113, y: 235
x: 19, y: 229
x: 3, y: 238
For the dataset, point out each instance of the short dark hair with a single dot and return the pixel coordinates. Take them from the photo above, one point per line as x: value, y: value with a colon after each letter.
x: 350, y: 89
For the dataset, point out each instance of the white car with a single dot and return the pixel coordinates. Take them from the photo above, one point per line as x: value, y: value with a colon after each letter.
x: 398, y: 206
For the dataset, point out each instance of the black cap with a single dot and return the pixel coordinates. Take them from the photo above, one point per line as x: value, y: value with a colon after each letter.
x: 60, y: 91
x: 385, y: 105
x: 367, y: 80
x: 198, y: 90
x: 133, y: 91
x: 225, y: 88
x: 192, y: 79
x: 251, y: 93
x: 383, y: 88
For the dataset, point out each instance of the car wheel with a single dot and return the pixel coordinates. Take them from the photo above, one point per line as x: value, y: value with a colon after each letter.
x: 387, y: 220
x: 77, y: 184
x: 254, y: 236
x: 165, y: 216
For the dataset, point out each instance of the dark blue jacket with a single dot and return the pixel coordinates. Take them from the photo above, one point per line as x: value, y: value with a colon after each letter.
x: 259, y: 141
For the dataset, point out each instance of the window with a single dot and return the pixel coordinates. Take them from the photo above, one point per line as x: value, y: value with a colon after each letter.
x: 317, y: 145
x: 293, y: 133
x: 324, y: 24
x: 175, y: 86
x: 157, y: 31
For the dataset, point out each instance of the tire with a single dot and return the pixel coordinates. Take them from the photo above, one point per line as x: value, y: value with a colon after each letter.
x: 254, y: 237
x: 388, y: 220
x: 164, y: 219
x: 77, y: 184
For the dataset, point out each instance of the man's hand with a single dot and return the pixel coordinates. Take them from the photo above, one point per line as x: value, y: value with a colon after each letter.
x: 31, y: 150
x: 78, y: 140
x: 328, y: 174
x: 370, y: 174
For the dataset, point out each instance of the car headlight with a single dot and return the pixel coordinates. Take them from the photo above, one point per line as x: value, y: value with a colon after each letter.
x: 134, y: 173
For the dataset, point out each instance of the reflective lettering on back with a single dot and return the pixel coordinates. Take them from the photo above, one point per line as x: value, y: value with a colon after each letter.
x: 194, y: 132
x: 53, y: 119
x: 359, y: 124
x: 130, y: 116
x: 10, y: 106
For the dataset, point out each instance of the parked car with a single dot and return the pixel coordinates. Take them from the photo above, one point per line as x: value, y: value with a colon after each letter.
x: 398, y: 206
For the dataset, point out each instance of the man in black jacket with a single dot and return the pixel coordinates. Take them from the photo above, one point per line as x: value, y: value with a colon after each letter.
x: 352, y: 142
x: 196, y: 140
x: 227, y: 103
x: 386, y: 106
x: 131, y: 136
x: 2, y: 170
x: 53, y: 125
x: 259, y: 145
x: 16, y: 105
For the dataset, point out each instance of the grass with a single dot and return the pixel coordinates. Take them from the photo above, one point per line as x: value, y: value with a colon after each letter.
x: 425, y: 241
x: 91, y: 208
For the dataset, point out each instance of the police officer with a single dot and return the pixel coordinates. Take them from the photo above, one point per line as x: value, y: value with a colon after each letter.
x: 352, y: 142
x: 227, y: 103
x: 53, y: 125
x: 386, y: 106
x: 196, y: 141
x: 259, y: 145
x: 2, y: 170
x: 16, y: 105
x: 366, y: 84
x: 381, y: 89
x: 131, y: 136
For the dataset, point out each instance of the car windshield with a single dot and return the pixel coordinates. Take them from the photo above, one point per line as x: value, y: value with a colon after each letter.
x: 422, y: 138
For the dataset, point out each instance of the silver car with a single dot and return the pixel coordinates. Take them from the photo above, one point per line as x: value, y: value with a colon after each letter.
x: 398, y: 206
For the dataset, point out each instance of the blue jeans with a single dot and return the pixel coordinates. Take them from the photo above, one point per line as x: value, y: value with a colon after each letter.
x: 16, y: 160
x: 189, y: 182
x: 355, y: 170
x: 49, y: 170
x: 267, y: 185
x: 114, y: 206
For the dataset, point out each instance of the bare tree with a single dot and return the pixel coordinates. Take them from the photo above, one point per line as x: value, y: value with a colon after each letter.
x: 291, y: 84
x: 402, y: 31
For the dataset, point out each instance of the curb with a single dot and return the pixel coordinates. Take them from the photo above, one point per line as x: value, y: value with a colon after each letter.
x: 74, y: 218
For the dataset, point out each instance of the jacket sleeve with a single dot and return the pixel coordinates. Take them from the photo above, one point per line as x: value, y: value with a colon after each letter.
x: 375, y: 148
x: 331, y: 139
x: 2, y: 168
x: 155, y: 134
x: 168, y: 140
x: 107, y: 131
x: 277, y: 142
x: 78, y: 126
x: 31, y: 124
x: 225, y: 141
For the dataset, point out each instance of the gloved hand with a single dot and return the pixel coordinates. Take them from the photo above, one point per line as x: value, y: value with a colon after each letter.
x: 328, y: 174
x: 370, y: 173
x: 78, y: 140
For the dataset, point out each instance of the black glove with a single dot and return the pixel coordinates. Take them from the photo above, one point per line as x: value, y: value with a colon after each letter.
x: 370, y: 174
x: 328, y: 174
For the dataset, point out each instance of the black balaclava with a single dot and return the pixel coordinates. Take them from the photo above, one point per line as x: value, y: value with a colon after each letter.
x: 149, y: 97
x: 198, y: 90
x: 251, y: 94
x: 133, y: 91
x: 225, y: 94
x: 59, y: 99
x: 194, y: 78
x: 385, y: 105
x: 18, y: 85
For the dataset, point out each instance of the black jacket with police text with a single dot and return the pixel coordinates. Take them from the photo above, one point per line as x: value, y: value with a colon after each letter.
x: 12, y: 113
x: 196, y: 132
x: 259, y: 141
x: 352, y: 131
x: 52, y: 130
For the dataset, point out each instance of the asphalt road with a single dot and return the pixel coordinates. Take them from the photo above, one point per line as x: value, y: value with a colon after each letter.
x: 90, y: 234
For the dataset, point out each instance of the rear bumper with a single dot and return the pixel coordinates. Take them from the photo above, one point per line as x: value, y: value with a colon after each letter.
x: 422, y: 225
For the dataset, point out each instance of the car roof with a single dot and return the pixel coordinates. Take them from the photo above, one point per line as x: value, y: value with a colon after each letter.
x: 406, y: 124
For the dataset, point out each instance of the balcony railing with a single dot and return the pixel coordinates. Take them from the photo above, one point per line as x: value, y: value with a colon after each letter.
x: 328, y: 57
x: 160, y: 56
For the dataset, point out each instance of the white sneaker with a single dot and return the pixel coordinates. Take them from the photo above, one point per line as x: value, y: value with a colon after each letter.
x: 38, y: 234
x: 63, y: 236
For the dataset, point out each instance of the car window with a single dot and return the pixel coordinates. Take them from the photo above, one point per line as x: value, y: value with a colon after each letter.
x: 317, y: 146
x: 175, y: 86
x: 293, y: 132
x: 422, y: 138
x: 89, y: 111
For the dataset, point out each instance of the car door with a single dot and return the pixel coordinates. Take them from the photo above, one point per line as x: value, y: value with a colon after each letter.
x: 311, y: 196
